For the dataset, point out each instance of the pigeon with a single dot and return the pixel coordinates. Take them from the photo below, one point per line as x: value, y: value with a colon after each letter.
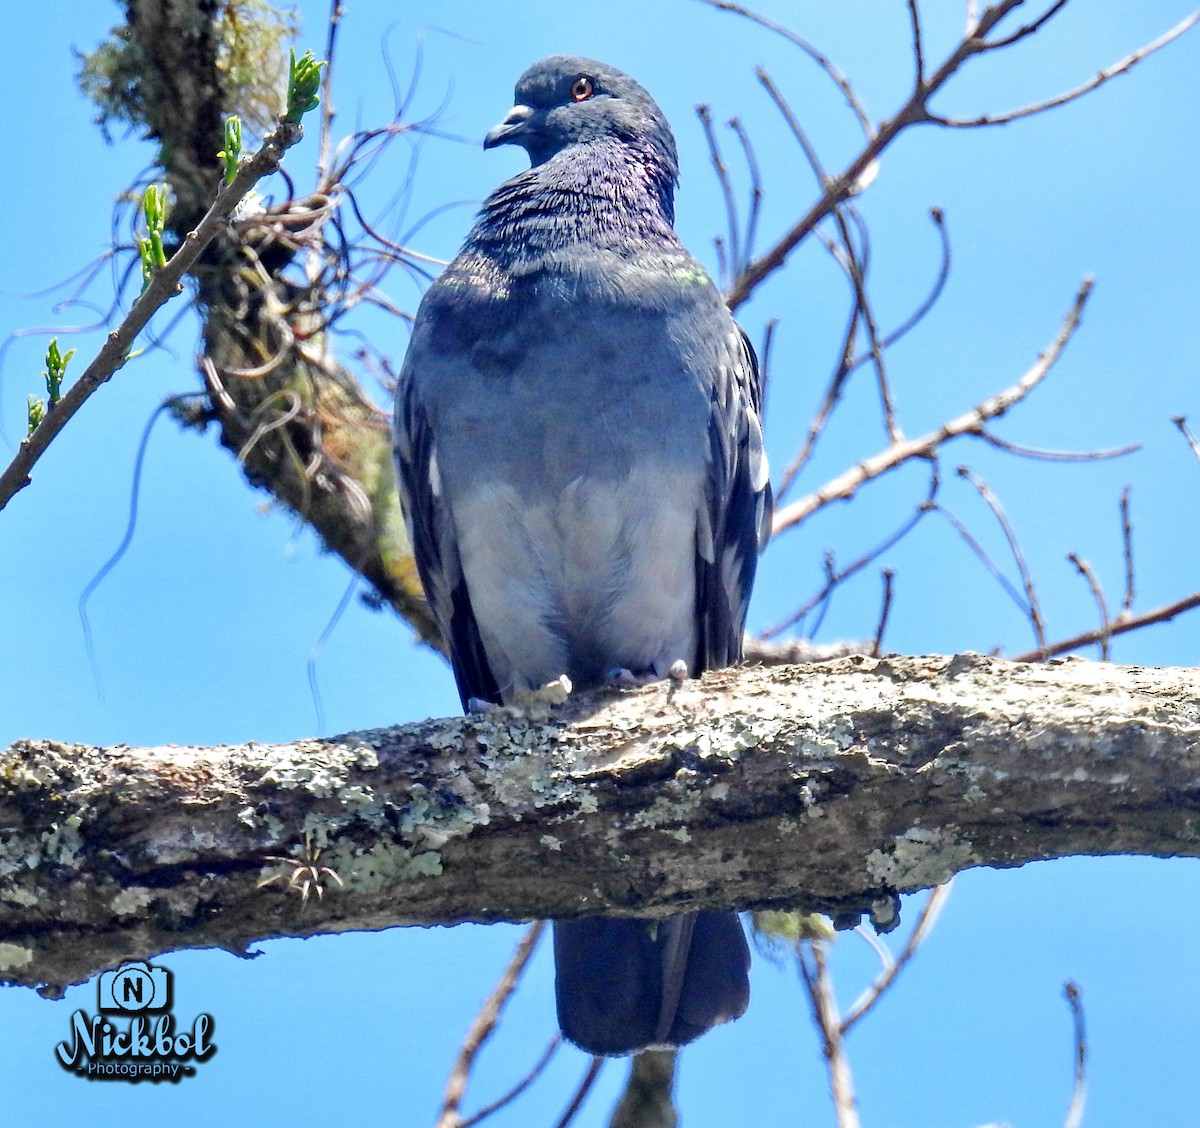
x: 580, y: 458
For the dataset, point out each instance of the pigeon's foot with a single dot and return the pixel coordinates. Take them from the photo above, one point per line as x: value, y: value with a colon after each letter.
x: 620, y: 676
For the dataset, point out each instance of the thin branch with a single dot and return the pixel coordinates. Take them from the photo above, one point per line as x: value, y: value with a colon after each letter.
x: 919, y: 314
x: 589, y: 1079
x: 1031, y: 28
x: 822, y: 60
x: 1123, y: 66
x: 1079, y: 1091
x: 994, y: 569
x: 765, y: 357
x: 718, y: 162
x: 520, y: 1087
x: 818, y: 985
x: 848, y: 362
x: 924, y: 926
x: 869, y: 937
x: 846, y: 484
x: 1093, y: 583
x: 850, y: 181
x: 856, y: 267
x: 835, y: 577
x: 756, y: 189
x: 781, y: 104
x: 1120, y: 625
x: 1180, y: 421
x: 163, y: 286
x: 914, y: 17
x: 324, y: 149
x: 1127, y: 544
x: 1014, y: 546
x: 889, y: 576
x: 1055, y: 455
x: 484, y: 1026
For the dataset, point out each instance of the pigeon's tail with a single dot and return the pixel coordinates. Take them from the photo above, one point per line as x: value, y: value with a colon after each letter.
x: 627, y: 985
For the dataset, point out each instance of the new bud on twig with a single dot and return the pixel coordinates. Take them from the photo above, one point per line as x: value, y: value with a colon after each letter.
x: 232, y: 152
x: 55, y: 370
x: 304, y: 78
x: 150, y: 245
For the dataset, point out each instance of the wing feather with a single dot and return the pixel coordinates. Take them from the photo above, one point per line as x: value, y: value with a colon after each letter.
x: 736, y: 523
x: 435, y: 546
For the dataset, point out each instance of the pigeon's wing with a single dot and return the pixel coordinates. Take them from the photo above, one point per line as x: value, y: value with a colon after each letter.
x: 434, y: 543
x: 736, y: 521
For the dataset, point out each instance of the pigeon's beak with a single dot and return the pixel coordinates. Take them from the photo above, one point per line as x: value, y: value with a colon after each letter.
x: 510, y: 130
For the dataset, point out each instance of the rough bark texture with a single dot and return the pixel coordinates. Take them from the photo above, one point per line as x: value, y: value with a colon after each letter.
x: 828, y: 787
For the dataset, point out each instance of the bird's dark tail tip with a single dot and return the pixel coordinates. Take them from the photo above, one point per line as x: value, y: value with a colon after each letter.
x: 626, y: 985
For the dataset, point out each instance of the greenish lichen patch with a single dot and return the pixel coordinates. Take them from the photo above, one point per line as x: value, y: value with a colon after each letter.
x: 62, y: 842
x: 666, y: 813
x: 919, y: 859
x: 14, y: 955
x: 129, y: 902
x: 382, y: 866
x: 19, y: 895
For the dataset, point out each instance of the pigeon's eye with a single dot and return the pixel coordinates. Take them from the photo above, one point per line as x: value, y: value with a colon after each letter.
x: 582, y: 89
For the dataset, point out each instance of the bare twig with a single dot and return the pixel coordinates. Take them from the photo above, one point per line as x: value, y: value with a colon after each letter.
x: 1122, y: 66
x: 848, y: 361
x: 1127, y: 544
x: 589, y: 1079
x: 718, y: 162
x: 1033, y: 610
x: 889, y: 576
x: 765, y: 354
x: 1028, y: 29
x: 994, y: 569
x: 483, y: 1027
x: 518, y: 1088
x: 1180, y: 421
x: 1055, y: 455
x: 918, y: 315
x: 756, y: 189
x: 822, y: 60
x: 846, y: 184
x: 163, y: 285
x: 1120, y: 625
x: 914, y: 17
x: 856, y: 268
x: 896, y: 454
x: 1093, y: 583
x: 781, y: 104
x: 326, y: 144
x: 1079, y: 1091
x: 818, y: 985
x: 834, y: 577
x: 920, y: 933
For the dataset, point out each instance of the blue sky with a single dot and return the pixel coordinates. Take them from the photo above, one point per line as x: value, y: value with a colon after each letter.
x: 203, y: 632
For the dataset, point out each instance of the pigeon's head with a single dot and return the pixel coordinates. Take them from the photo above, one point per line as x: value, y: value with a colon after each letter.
x: 565, y: 100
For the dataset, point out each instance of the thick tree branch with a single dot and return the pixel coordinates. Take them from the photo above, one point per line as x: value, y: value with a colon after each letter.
x: 830, y: 787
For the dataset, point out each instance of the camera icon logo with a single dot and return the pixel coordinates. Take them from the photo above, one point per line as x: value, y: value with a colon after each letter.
x: 135, y: 988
